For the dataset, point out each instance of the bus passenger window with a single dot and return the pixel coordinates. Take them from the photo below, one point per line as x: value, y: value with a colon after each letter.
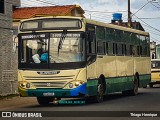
x: 138, y: 50
x: 107, y: 48
x: 91, y: 45
x: 131, y: 49
x: 120, y: 48
x: 124, y: 49
x: 101, y: 47
x: 115, y: 48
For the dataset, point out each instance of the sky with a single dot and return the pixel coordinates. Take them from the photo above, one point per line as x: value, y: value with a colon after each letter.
x: 147, y: 12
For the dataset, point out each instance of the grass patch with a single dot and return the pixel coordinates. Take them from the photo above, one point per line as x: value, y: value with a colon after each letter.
x: 8, y: 96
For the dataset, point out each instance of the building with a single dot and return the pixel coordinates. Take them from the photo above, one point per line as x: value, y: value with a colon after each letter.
x: 153, y: 50
x: 32, y: 12
x: 8, y: 70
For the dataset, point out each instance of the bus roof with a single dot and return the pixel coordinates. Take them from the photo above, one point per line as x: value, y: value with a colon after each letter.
x: 117, y: 27
x: 36, y: 18
x: 95, y: 23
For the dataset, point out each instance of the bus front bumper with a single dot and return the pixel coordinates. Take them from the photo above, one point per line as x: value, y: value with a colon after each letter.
x: 45, y: 92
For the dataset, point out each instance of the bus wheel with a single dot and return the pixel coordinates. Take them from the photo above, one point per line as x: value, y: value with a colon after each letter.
x: 100, y: 91
x: 145, y: 86
x: 134, y: 91
x: 151, y: 85
x: 44, y: 100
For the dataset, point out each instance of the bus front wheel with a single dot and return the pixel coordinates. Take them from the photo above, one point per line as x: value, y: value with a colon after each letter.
x: 100, y: 91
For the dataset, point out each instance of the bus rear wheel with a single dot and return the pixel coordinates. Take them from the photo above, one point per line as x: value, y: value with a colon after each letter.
x: 151, y: 85
x: 134, y: 91
x: 44, y: 100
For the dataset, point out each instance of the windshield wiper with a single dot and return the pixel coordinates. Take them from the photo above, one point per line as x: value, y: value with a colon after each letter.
x: 63, y: 36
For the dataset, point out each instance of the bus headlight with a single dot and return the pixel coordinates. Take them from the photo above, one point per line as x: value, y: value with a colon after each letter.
x: 22, y: 84
x: 73, y: 84
x: 27, y: 85
x: 77, y: 83
x: 70, y: 85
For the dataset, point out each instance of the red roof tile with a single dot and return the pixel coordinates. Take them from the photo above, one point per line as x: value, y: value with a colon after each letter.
x: 24, y: 13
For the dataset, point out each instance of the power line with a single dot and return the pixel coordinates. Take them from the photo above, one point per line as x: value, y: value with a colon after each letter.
x: 154, y: 5
x: 147, y: 24
x: 155, y: 39
x: 46, y: 2
x: 158, y: 3
x: 144, y: 6
x: 26, y: 4
x: 151, y: 18
x: 141, y: 8
x: 103, y: 11
x: 150, y: 31
x: 39, y: 2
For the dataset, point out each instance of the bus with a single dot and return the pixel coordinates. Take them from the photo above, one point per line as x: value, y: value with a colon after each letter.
x: 155, y: 72
x: 74, y: 57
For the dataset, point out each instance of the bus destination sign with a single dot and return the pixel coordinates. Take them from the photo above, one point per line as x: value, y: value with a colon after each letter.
x: 34, y: 36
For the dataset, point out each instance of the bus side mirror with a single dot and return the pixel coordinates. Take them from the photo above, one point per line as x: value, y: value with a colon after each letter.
x: 15, y: 44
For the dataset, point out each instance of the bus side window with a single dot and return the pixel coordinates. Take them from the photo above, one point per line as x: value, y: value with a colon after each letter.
x: 131, y: 49
x: 120, y: 49
x: 124, y: 49
x: 101, y: 47
x: 107, y: 48
x: 91, y: 43
x: 115, y: 49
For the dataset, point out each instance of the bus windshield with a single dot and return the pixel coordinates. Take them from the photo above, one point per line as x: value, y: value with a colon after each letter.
x: 58, y: 48
x: 155, y: 64
x: 68, y: 48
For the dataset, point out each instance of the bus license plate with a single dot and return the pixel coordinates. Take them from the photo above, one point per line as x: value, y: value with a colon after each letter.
x: 48, y: 94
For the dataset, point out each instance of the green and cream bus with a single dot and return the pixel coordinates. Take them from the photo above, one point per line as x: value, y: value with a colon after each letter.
x: 67, y: 57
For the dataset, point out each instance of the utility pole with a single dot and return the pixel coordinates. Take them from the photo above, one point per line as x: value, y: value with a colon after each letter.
x: 129, y: 15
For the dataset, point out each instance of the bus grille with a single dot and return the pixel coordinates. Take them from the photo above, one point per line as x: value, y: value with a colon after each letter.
x: 49, y: 77
x: 49, y: 84
x: 49, y: 81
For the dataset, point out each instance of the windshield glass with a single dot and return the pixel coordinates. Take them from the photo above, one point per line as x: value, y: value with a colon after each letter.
x: 35, y: 51
x: 59, y: 48
x: 155, y: 64
x: 66, y: 49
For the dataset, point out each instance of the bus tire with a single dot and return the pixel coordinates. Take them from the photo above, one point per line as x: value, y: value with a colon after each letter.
x: 134, y: 91
x: 44, y: 100
x: 145, y: 86
x: 151, y: 85
x: 100, y: 91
